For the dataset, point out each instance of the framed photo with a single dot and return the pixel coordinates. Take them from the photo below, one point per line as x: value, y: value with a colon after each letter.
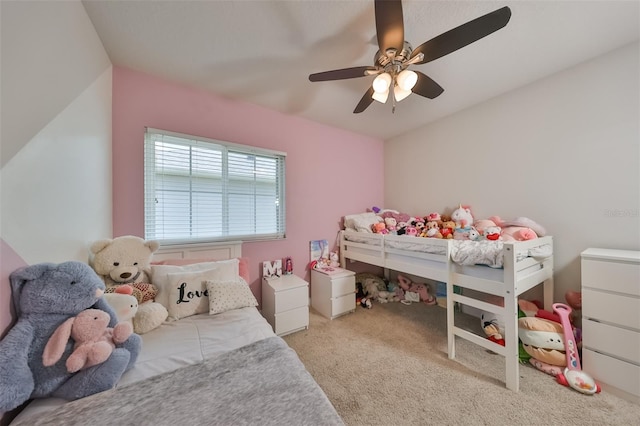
x: 319, y: 250
x: 272, y: 269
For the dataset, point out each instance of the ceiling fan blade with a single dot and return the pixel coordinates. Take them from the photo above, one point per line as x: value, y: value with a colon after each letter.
x: 427, y: 87
x: 341, y: 74
x: 389, y: 25
x: 364, y: 102
x: 463, y: 35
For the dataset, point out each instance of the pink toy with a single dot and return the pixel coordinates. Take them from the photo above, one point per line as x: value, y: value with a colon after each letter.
x: 423, y: 291
x: 519, y: 229
x: 94, y: 340
x: 573, y: 375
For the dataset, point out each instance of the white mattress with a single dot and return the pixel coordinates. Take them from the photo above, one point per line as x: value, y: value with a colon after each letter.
x: 181, y: 343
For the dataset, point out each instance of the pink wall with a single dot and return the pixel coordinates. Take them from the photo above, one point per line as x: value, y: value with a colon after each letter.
x: 330, y: 172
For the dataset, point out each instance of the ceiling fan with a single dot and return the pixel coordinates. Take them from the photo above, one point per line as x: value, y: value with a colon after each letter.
x: 395, y: 55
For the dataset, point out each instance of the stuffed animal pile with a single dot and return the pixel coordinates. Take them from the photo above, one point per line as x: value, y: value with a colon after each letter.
x: 460, y: 225
x: 126, y: 261
x: 44, y: 297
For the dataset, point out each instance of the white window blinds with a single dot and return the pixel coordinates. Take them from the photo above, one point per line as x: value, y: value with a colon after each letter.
x: 199, y: 190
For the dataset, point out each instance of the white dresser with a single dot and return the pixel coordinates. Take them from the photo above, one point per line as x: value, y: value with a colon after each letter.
x: 333, y: 293
x: 285, y: 303
x: 611, y: 319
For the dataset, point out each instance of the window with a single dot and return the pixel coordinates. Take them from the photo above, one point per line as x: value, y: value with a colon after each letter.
x: 199, y: 190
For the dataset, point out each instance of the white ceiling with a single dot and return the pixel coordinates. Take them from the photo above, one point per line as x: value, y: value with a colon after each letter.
x: 262, y: 52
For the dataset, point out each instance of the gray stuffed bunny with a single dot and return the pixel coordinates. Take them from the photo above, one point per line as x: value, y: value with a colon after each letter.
x: 44, y: 296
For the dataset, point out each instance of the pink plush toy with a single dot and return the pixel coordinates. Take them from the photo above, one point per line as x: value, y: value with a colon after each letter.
x: 407, y: 285
x: 379, y: 228
x: 519, y: 229
x: 94, y: 340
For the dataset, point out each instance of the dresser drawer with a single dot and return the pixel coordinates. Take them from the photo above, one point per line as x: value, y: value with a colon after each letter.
x: 619, y: 342
x: 611, y: 308
x: 343, y: 304
x: 619, y: 277
x: 292, y: 298
x: 291, y: 320
x: 612, y: 371
x: 343, y: 285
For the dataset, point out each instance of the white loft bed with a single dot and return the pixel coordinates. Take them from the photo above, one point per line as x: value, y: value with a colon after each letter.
x: 431, y: 258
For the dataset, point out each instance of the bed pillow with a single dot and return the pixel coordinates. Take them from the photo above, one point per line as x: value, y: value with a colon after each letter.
x: 228, y: 295
x: 243, y: 264
x: 361, y: 222
x: 230, y: 271
x: 188, y: 294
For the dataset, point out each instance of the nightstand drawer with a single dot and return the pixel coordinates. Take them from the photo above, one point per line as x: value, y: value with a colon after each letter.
x: 343, y: 304
x: 611, y: 308
x: 343, y: 285
x: 292, y: 320
x: 611, y: 276
x: 615, y: 341
x: 292, y: 298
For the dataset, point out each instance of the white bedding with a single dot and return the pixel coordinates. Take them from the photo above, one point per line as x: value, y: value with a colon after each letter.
x: 463, y: 252
x: 181, y: 343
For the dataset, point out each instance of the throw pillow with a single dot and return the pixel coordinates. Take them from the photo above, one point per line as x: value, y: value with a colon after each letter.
x: 227, y: 295
x: 230, y: 270
x: 188, y: 293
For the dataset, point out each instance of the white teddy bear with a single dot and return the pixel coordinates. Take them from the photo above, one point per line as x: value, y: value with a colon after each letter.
x: 127, y: 260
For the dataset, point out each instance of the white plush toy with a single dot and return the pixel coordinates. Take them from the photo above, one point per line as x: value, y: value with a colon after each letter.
x: 127, y: 260
x: 124, y: 305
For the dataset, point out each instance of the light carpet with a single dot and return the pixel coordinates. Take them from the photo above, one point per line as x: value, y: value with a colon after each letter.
x: 388, y: 366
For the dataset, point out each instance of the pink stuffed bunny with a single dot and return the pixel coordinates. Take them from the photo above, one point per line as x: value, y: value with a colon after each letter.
x: 94, y: 340
x: 407, y: 285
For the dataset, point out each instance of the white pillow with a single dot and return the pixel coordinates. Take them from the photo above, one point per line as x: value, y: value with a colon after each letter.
x: 188, y: 294
x: 230, y: 270
x: 227, y: 295
x: 361, y: 222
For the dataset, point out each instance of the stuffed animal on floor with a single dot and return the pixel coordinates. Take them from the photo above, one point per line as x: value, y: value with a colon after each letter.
x: 94, y: 340
x: 543, y: 340
x: 493, y: 327
x: 44, y: 296
x: 421, y: 289
x: 126, y: 260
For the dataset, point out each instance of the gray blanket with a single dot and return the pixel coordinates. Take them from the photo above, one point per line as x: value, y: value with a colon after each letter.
x: 263, y: 383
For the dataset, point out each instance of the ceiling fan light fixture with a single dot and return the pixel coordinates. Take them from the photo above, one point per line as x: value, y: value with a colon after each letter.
x: 407, y: 79
x: 381, y: 83
x: 399, y: 93
x: 381, y: 96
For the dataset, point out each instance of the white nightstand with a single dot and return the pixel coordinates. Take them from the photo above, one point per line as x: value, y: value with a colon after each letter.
x: 285, y: 303
x: 333, y: 293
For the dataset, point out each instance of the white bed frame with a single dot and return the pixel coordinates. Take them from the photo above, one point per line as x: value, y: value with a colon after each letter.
x: 515, y: 278
x: 209, y: 251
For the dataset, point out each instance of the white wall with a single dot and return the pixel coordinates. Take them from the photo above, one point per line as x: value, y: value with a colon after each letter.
x: 50, y: 54
x: 55, y: 180
x: 563, y: 151
x: 56, y: 191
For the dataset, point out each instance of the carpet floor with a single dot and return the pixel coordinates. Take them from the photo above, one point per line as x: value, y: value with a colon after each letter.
x: 388, y: 366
